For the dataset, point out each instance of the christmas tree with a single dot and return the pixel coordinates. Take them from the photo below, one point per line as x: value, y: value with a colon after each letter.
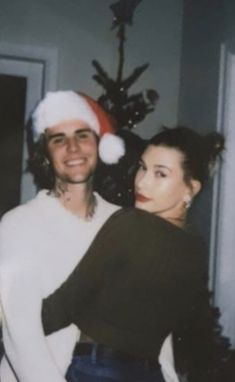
x: 115, y: 183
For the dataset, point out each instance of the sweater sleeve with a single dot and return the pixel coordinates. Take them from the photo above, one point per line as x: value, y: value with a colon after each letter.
x: 62, y: 307
x: 24, y: 341
x: 58, y: 308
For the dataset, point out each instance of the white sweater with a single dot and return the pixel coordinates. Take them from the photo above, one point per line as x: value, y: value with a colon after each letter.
x: 40, y: 244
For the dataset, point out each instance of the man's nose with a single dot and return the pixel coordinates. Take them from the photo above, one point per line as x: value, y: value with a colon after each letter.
x: 72, y: 144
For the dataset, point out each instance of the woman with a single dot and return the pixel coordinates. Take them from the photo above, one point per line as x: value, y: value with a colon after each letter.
x: 142, y: 276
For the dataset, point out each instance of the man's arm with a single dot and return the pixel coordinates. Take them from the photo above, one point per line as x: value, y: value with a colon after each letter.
x: 23, y: 337
x: 20, y: 294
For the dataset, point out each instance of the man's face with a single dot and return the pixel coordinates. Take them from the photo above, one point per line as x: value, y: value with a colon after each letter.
x: 72, y: 148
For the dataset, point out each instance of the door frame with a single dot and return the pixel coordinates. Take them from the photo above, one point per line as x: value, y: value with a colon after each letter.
x: 39, y: 66
x: 222, y: 243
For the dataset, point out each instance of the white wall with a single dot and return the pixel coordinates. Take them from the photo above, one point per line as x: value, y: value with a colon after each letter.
x: 225, y: 216
x: 80, y: 30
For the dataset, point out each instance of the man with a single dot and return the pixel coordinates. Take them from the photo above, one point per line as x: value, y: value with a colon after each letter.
x: 42, y: 241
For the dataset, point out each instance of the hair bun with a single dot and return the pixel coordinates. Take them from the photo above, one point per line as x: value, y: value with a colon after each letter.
x: 214, y: 144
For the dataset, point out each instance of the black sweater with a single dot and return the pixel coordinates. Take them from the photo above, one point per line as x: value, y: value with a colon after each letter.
x: 134, y: 286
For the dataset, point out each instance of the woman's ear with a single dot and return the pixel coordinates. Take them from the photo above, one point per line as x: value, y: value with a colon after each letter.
x: 195, y: 187
x: 192, y: 190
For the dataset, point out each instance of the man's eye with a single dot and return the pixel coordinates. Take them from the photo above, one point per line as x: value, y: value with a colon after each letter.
x: 57, y: 140
x: 84, y: 135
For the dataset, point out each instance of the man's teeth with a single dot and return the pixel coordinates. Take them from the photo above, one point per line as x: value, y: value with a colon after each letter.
x: 75, y: 162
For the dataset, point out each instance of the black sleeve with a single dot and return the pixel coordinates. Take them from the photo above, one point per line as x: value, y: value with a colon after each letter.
x: 62, y: 307
x: 59, y: 308
x: 201, y: 351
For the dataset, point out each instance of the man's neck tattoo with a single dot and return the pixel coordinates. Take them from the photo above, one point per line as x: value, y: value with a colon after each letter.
x: 92, y: 205
x: 61, y: 191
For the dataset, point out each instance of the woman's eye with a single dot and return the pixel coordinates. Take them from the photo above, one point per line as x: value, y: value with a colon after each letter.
x: 160, y: 174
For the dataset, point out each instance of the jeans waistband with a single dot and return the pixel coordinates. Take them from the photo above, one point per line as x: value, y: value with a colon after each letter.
x: 103, y: 351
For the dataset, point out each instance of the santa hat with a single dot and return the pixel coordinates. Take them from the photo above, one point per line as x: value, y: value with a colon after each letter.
x: 61, y: 106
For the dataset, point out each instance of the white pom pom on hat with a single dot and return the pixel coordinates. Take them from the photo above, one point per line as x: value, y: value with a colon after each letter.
x: 110, y: 148
x: 66, y: 105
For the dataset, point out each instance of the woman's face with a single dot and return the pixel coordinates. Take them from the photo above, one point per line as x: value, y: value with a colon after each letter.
x: 159, y: 183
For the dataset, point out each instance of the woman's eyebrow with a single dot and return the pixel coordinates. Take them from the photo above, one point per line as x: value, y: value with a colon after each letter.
x: 162, y: 166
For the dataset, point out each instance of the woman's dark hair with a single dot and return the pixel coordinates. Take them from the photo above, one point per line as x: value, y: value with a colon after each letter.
x: 39, y: 164
x: 200, y: 152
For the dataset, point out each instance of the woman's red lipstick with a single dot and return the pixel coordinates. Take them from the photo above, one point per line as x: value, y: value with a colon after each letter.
x: 141, y: 198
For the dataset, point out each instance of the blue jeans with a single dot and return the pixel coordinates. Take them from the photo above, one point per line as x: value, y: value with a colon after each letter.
x: 106, y: 368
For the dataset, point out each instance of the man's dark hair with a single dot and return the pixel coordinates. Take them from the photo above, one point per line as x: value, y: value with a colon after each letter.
x: 39, y: 164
